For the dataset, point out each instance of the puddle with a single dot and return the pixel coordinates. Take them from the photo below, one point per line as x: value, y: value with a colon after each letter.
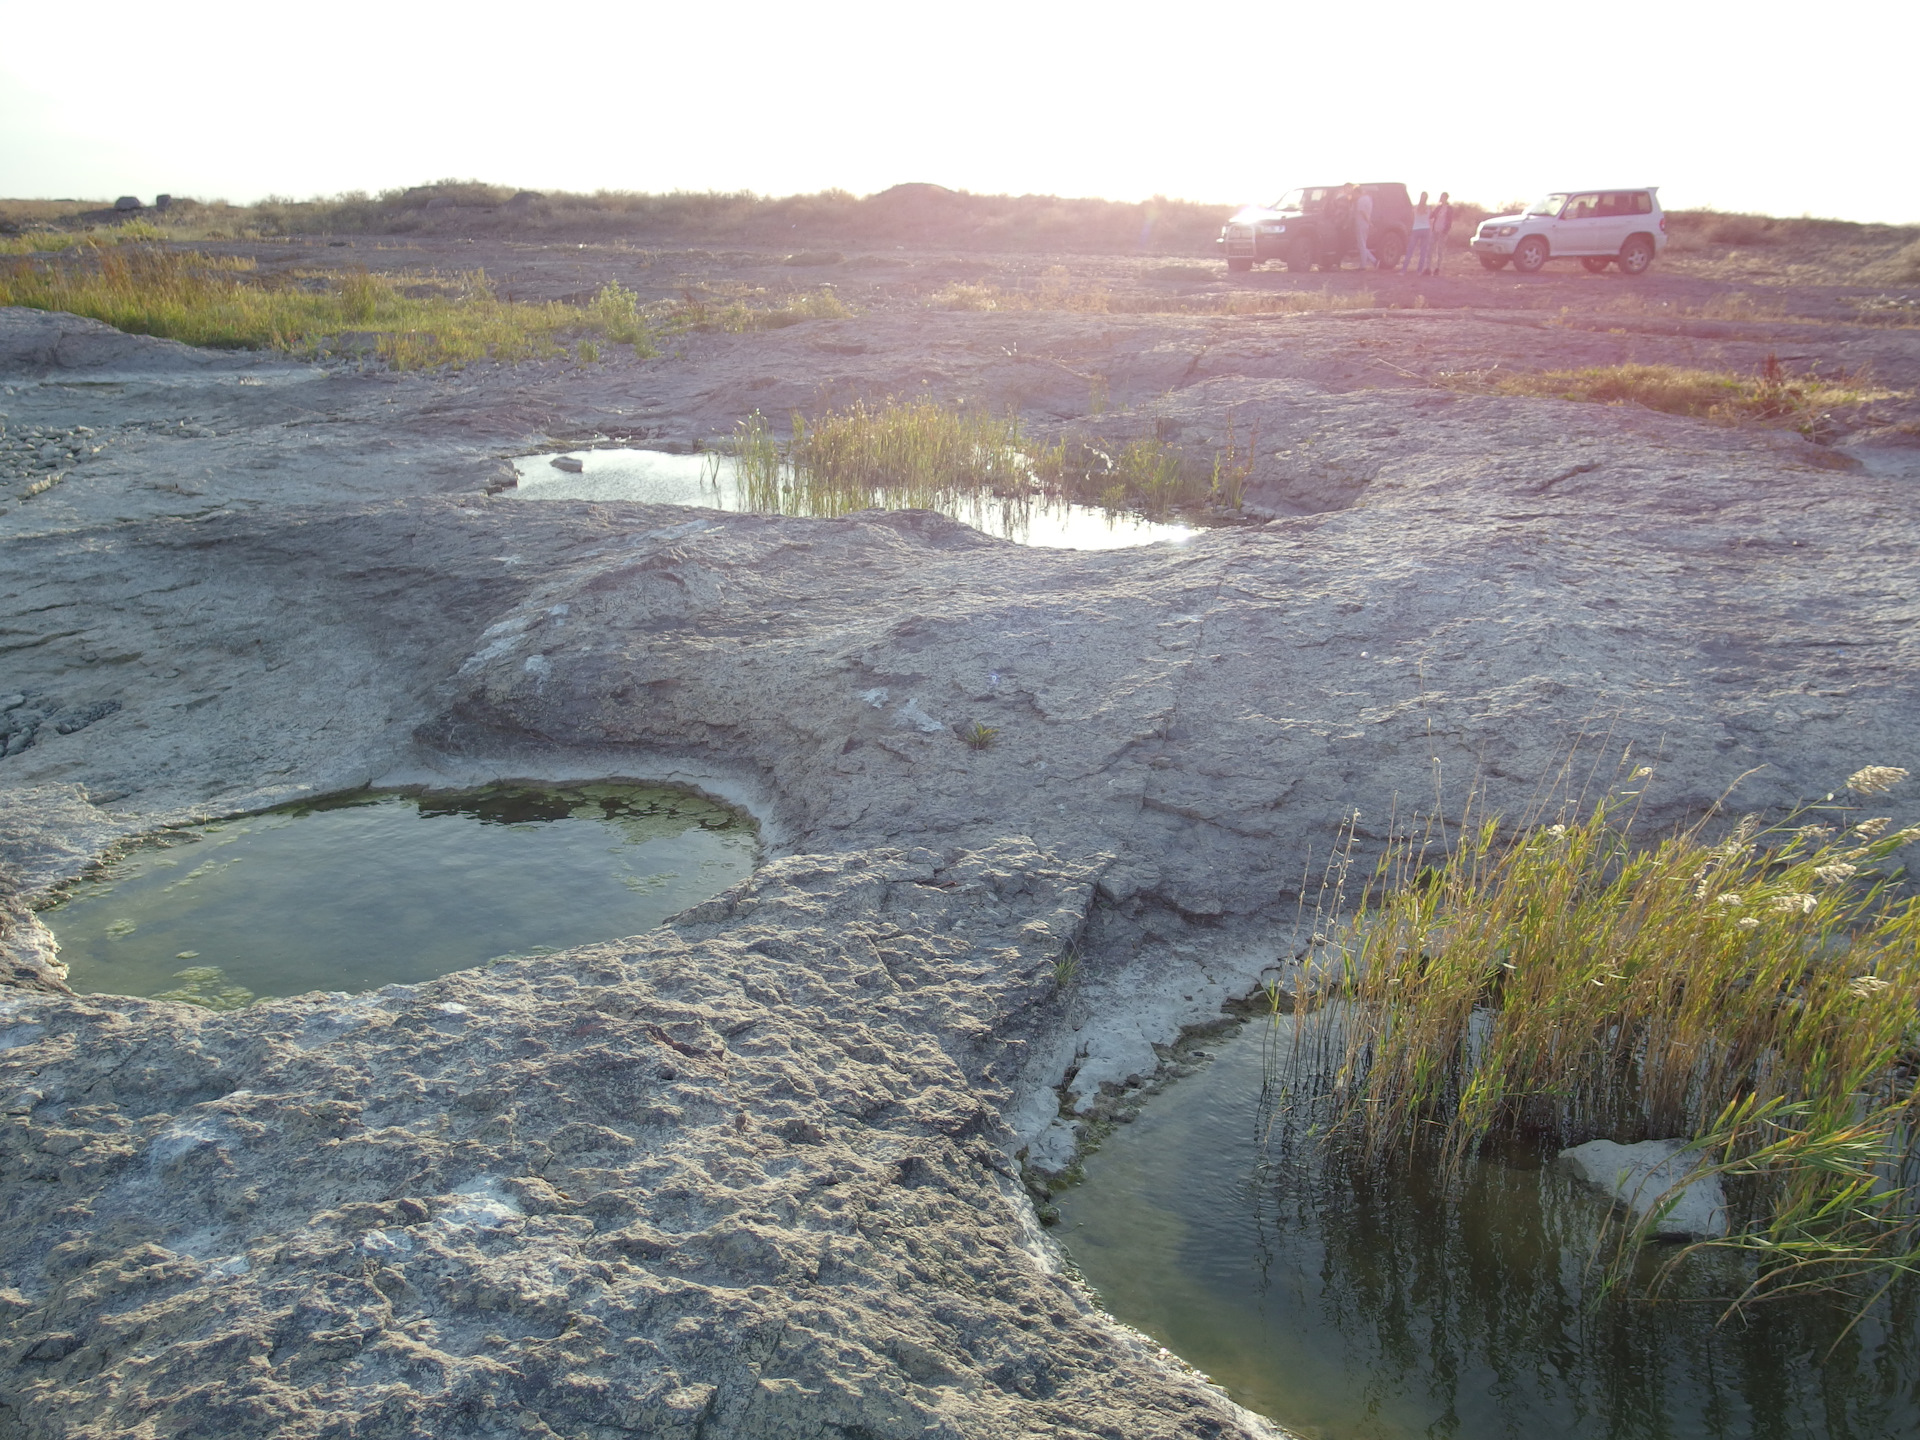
x: 1379, y: 1309
x: 656, y: 477
x: 369, y: 889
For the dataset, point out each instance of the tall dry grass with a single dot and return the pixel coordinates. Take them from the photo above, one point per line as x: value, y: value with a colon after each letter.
x: 408, y: 321
x: 1772, y: 395
x: 211, y: 300
x: 1758, y: 995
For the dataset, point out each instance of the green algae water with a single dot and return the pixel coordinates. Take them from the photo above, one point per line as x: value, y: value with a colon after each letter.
x: 364, y: 890
x: 1378, y: 1306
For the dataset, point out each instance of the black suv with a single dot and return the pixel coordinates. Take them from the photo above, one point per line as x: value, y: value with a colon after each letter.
x: 1314, y: 226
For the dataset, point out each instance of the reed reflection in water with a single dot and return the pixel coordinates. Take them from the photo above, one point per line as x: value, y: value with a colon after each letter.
x: 715, y: 481
x: 1370, y: 1304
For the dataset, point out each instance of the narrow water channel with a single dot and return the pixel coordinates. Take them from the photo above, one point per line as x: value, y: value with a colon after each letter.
x: 368, y: 889
x: 1379, y: 1307
x: 656, y: 477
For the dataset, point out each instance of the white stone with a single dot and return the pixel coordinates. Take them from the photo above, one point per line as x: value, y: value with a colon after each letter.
x: 1644, y: 1177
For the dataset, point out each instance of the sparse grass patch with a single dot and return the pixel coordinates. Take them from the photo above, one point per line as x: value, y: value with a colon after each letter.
x: 1757, y: 995
x: 1735, y: 305
x: 1900, y: 268
x: 1058, y: 290
x: 978, y: 736
x: 744, y: 311
x: 1772, y: 396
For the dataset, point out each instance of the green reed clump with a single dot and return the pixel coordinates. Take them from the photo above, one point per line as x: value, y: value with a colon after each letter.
x: 904, y: 454
x: 1144, y: 475
x: 1760, y: 994
x: 922, y: 454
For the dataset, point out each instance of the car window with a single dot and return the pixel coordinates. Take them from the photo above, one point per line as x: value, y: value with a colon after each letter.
x: 1642, y: 203
x: 1301, y: 199
x: 1550, y: 206
x: 1582, y: 207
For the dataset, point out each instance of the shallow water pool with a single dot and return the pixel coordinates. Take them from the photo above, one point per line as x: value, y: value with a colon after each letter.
x: 364, y: 890
x: 1377, y: 1307
x: 656, y: 477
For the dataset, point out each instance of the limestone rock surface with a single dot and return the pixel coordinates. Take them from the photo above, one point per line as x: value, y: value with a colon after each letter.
x: 742, y: 1176
x: 1650, y: 1175
x: 757, y: 1173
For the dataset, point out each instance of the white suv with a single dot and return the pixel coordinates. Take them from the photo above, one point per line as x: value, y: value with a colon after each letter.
x: 1595, y: 227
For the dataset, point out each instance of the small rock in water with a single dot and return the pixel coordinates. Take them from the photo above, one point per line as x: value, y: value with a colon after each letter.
x: 571, y: 464
x: 1642, y: 1176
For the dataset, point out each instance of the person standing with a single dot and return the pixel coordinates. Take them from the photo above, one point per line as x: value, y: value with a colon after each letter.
x: 1362, y: 223
x: 1438, y: 224
x: 1336, y: 226
x: 1417, y: 241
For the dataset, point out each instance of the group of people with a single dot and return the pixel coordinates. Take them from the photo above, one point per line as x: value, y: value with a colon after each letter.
x: 1426, y: 239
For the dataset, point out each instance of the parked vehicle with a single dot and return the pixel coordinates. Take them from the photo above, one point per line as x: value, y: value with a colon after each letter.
x: 1596, y: 227
x: 1314, y: 226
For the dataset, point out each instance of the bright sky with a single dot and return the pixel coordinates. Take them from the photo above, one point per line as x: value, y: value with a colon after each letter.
x: 1743, y: 106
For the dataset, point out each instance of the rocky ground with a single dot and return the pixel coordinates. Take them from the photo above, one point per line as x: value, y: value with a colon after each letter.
x: 759, y: 1172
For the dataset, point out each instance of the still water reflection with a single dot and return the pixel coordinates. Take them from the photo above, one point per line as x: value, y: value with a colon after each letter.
x: 656, y: 477
x: 1378, y: 1307
x: 363, y: 890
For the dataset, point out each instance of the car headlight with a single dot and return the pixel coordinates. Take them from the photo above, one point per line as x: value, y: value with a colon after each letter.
x: 1273, y: 229
x: 1508, y: 229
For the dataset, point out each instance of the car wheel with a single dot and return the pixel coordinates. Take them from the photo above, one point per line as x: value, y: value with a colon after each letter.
x: 1238, y: 266
x: 1636, y: 255
x: 1390, y: 251
x: 1596, y: 264
x: 1494, y: 262
x: 1530, y: 254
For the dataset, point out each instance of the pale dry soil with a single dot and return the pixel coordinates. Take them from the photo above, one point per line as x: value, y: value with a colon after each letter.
x: 760, y: 1172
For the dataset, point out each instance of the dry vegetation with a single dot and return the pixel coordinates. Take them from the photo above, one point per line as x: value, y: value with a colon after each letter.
x: 1757, y: 994
x: 408, y: 321
x: 1059, y: 289
x: 906, y: 214
x: 1773, y: 395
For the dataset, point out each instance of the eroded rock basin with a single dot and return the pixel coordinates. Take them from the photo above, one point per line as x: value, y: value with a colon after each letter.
x: 367, y: 889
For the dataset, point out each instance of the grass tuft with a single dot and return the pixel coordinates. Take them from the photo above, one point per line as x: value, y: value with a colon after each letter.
x: 978, y: 736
